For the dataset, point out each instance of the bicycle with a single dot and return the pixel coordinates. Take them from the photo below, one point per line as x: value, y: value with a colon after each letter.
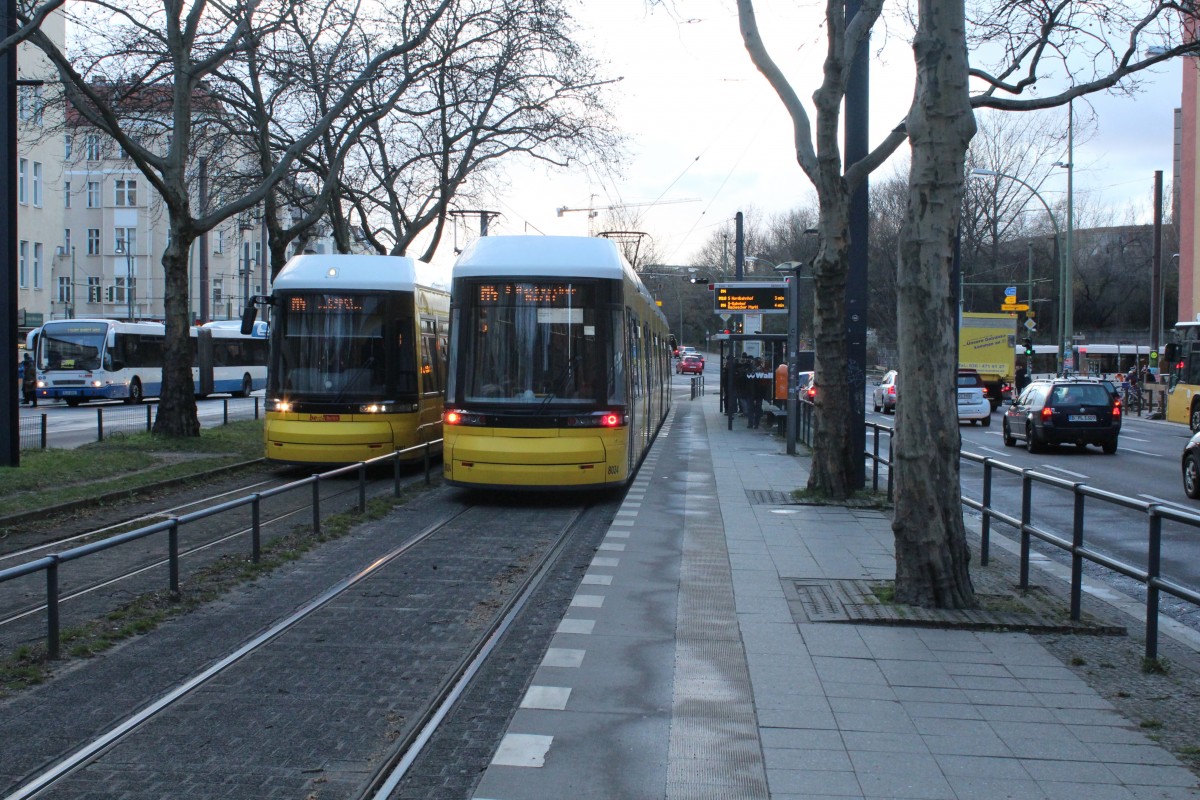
x: 1131, y: 396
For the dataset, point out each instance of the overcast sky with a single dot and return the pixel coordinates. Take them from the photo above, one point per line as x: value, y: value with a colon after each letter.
x: 708, y: 137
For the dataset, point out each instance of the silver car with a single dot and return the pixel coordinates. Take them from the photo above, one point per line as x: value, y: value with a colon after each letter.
x: 973, y: 405
x: 883, y: 397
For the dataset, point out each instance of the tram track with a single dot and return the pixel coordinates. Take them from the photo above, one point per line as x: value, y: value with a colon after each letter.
x: 135, y: 564
x: 501, y: 582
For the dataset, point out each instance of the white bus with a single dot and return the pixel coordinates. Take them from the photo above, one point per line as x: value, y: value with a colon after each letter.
x: 100, y: 359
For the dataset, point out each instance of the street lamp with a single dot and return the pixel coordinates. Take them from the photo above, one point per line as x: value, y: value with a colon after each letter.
x: 126, y: 247
x: 1063, y: 286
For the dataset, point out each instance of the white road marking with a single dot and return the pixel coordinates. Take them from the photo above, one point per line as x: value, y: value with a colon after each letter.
x: 550, y: 698
x: 1066, y: 471
x: 522, y: 750
x: 1140, y: 452
x: 1154, y: 499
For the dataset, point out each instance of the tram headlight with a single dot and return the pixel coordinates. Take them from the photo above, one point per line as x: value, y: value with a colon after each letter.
x: 376, y: 408
x: 280, y: 405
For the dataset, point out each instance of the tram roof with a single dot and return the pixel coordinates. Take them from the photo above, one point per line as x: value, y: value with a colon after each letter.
x: 370, y: 272
x: 543, y: 256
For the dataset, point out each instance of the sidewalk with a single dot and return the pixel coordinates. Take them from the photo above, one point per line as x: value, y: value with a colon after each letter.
x: 694, y: 663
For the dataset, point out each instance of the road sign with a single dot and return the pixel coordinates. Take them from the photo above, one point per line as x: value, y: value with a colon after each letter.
x: 1030, y: 325
x: 1029, y: 314
x: 1015, y: 307
x: 1010, y: 291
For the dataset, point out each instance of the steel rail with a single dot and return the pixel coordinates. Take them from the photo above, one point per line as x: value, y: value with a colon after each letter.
x: 90, y: 751
x: 394, y: 769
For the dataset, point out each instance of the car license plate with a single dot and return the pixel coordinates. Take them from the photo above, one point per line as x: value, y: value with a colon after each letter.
x: 69, y: 392
x: 964, y: 401
x: 1081, y: 418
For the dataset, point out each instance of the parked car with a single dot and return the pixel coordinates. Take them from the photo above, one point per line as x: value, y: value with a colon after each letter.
x: 690, y: 363
x: 806, y: 385
x: 973, y: 404
x: 688, y: 351
x: 883, y: 397
x: 1191, y: 468
x: 1064, y: 411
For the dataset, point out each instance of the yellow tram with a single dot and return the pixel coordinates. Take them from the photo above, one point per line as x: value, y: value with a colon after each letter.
x: 357, y: 362
x: 559, y: 373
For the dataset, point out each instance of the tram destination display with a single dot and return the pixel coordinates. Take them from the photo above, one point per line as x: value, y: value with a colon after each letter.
x: 766, y: 298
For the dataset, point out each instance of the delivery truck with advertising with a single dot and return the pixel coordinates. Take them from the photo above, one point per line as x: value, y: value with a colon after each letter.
x: 987, y: 344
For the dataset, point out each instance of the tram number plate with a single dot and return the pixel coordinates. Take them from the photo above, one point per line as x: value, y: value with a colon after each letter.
x: 1081, y: 418
x: 70, y: 392
x: 324, y: 417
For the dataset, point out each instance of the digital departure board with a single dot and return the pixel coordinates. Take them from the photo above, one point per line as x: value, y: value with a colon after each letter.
x: 766, y: 298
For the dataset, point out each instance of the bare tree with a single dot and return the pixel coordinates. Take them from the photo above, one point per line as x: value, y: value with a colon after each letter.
x: 1029, y: 41
x: 166, y: 62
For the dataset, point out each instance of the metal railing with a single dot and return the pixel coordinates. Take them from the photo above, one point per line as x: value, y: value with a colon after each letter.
x: 697, y: 387
x: 50, y: 564
x: 34, y: 431
x: 1150, y: 576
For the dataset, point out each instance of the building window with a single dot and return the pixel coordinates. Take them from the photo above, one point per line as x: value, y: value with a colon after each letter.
x: 93, y: 146
x: 68, y: 146
x: 93, y: 241
x: 37, y: 264
x: 126, y: 192
x: 23, y: 264
x: 64, y: 289
x: 29, y: 104
x: 66, y: 194
x: 93, y: 194
x: 37, y: 184
x: 218, y: 291
x: 93, y: 290
x: 125, y: 240
x: 23, y: 180
x: 119, y: 297
x: 219, y: 248
x: 66, y: 241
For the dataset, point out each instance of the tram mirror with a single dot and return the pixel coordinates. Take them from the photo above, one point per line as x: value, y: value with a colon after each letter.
x: 248, y: 317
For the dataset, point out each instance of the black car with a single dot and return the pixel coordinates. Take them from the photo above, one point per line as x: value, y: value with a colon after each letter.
x: 1064, y: 411
x: 1191, y: 468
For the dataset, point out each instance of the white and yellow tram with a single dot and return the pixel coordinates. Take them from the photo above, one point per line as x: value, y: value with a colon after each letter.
x: 357, y: 362
x: 559, y: 365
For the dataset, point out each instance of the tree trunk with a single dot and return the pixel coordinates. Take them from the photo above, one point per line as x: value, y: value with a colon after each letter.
x: 833, y: 442
x: 177, y: 404
x: 932, y: 556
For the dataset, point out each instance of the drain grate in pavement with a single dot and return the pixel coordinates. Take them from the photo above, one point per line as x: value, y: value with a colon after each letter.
x: 767, y: 497
x: 856, y: 601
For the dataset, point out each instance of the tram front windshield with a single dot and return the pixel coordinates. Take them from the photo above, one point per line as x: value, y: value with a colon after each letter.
x: 338, y: 348
x: 540, y: 343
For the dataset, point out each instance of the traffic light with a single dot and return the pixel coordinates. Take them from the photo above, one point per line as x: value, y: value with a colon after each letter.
x: 1028, y: 346
x: 701, y: 281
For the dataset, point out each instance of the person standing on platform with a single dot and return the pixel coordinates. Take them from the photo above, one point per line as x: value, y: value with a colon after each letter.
x: 29, y: 381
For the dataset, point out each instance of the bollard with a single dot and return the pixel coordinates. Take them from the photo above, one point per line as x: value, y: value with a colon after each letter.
x: 316, y: 504
x: 53, y: 634
x: 1026, y: 515
x: 255, y: 529
x: 173, y: 556
x: 149, y: 419
x: 985, y: 535
x: 44, y: 433
x: 427, y: 459
x: 1076, y: 558
x: 396, y: 473
x: 362, y: 487
x: 256, y: 408
x: 99, y: 424
x: 225, y: 411
x: 1153, y: 567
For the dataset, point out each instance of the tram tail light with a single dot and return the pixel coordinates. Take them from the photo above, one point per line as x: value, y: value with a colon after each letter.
x: 603, y: 419
x: 452, y: 417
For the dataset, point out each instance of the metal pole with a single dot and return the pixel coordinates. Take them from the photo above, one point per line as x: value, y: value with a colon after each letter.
x: 1156, y: 309
x: 1068, y: 282
x: 10, y: 436
x: 793, y: 344
x: 73, y: 301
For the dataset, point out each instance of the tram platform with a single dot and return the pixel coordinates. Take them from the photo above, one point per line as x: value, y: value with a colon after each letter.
x: 702, y: 657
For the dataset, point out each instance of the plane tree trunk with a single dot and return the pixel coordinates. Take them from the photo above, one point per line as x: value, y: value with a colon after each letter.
x: 932, y: 556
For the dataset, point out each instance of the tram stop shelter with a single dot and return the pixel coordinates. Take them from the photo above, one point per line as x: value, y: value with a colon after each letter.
x: 771, y: 347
